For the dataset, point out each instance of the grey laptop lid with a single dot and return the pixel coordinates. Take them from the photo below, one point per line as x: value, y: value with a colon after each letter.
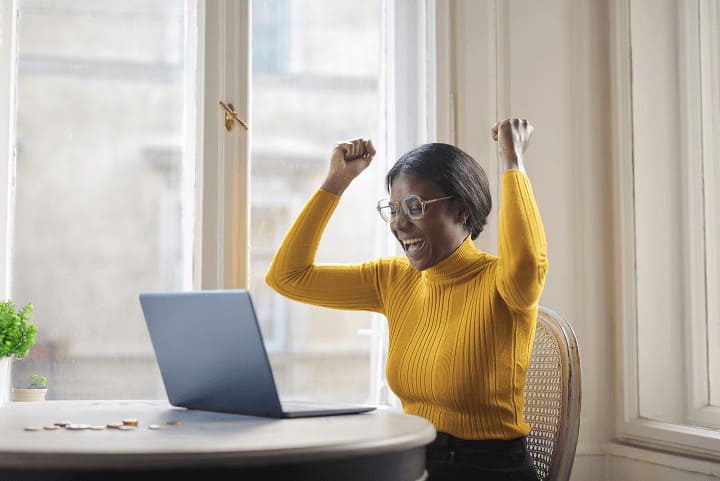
x: 212, y: 357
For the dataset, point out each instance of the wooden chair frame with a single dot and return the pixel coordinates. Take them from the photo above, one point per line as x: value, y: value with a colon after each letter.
x: 552, y: 397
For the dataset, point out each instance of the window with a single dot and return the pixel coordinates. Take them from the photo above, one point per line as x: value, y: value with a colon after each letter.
x: 315, y: 81
x: 126, y: 179
x: 668, y: 91
x: 271, y: 36
x: 101, y: 187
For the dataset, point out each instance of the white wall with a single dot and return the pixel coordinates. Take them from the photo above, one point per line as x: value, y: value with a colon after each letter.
x: 549, y: 61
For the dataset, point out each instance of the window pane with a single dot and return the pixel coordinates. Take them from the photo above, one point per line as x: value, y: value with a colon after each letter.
x: 677, y: 316
x: 658, y: 189
x: 710, y: 47
x: 315, y: 81
x: 99, y: 194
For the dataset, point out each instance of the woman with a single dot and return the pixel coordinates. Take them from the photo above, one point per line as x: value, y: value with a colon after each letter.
x: 461, y: 321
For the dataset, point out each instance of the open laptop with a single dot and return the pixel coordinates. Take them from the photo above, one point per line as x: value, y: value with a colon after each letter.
x: 212, y: 356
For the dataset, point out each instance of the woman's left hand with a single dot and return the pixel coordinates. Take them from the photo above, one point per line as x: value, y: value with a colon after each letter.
x: 513, y: 136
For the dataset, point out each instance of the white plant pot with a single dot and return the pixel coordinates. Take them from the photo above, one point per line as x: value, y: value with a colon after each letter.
x: 27, y: 394
x: 4, y: 379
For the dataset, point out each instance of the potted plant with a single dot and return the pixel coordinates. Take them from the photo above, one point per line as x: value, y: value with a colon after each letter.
x: 17, y: 334
x: 35, y: 390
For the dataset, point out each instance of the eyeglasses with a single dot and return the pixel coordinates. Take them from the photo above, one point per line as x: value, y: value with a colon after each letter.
x: 412, y: 206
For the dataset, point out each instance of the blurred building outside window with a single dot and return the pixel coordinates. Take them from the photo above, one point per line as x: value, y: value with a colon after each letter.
x: 104, y: 188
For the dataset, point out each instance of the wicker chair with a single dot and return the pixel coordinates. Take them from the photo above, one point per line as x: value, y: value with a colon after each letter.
x: 552, y: 397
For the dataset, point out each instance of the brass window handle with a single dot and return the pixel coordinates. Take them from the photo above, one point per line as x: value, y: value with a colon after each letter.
x: 231, y: 116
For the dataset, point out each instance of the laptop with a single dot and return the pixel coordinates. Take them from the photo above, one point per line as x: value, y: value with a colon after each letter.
x: 212, y: 356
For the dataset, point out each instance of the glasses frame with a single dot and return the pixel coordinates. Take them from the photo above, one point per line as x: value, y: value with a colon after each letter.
x: 401, y: 204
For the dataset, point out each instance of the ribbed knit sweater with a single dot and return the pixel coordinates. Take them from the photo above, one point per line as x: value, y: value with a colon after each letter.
x: 460, y: 332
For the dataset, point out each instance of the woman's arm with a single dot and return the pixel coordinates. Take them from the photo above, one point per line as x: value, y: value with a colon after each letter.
x: 522, y: 247
x: 293, y: 271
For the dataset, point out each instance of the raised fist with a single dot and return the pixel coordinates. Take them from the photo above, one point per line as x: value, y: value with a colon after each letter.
x: 512, y: 136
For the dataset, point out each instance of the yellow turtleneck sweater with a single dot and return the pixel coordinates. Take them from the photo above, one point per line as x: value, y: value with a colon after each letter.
x: 460, y: 332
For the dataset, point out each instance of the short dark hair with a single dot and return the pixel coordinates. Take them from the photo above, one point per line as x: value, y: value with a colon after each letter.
x: 455, y: 172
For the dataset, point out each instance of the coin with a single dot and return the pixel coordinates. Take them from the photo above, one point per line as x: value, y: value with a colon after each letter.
x: 130, y: 421
x: 175, y: 423
x: 156, y: 426
x: 51, y: 427
x: 33, y: 428
x: 77, y: 427
x: 62, y: 424
x: 126, y: 427
x: 96, y: 427
x: 114, y: 425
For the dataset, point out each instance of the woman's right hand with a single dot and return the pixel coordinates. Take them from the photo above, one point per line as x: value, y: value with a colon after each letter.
x: 347, y: 161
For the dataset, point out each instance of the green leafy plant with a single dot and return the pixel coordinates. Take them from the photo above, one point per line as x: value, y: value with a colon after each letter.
x: 17, y: 331
x: 37, y: 382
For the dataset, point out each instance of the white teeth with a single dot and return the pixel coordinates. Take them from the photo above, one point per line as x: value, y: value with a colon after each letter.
x: 409, y: 242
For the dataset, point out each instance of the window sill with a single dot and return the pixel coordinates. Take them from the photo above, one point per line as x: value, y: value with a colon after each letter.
x: 663, y: 458
x: 692, y: 441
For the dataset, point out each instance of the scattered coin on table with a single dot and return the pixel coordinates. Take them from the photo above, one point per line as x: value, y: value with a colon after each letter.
x: 77, y: 426
x: 127, y: 424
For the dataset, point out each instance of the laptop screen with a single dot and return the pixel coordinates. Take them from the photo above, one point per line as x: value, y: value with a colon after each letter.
x: 210, y: 351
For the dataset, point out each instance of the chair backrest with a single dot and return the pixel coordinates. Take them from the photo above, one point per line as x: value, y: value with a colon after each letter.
x: 552, y: 397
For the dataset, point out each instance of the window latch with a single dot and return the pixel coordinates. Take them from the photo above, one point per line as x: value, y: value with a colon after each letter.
x: 231, y: 116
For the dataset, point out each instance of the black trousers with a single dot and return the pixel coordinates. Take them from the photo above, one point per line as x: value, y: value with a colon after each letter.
x: 449, y: 458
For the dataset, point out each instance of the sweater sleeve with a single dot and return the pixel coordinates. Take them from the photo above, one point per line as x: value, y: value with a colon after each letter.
x: 294, y: 273
x: 522, y: 247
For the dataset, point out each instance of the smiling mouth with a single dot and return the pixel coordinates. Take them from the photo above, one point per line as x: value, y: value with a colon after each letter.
x: 411, y: 246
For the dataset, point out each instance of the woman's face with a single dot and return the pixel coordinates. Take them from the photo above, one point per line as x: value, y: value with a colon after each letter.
x: 431, y: 239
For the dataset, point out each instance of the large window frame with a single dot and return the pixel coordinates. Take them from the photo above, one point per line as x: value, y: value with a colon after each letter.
x: 702, y: 103
x: 221, y: 30
x: 222, y: 256
x: 223, y: 166
x: 8, y: 60
x: 698, y: 103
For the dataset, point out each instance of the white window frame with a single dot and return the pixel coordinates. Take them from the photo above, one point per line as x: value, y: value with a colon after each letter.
x: 221, y: 178
x: 703, y: 127
x: 221, y: 250
x: 631, y: 426
x: 710, y: 81
x: 223, y: 73
x: 220, y: 181
x: 8, y: 64
x: 222, y: 257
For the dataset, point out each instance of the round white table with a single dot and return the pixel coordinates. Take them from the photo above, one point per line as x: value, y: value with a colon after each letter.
x: 380, y: 445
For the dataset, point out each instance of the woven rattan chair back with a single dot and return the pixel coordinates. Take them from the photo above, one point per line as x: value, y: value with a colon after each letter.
x: 552, y: 397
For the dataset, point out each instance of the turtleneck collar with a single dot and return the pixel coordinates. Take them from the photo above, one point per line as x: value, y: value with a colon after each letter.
x: 462, y: 260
